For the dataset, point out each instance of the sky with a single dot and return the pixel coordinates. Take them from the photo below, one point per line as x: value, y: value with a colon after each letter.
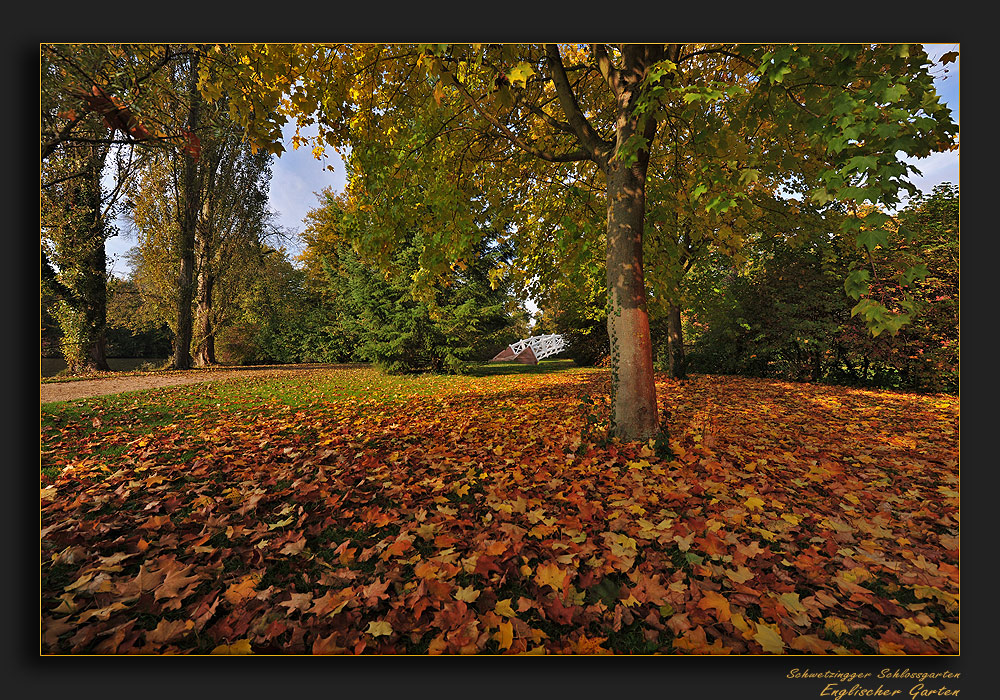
x: 298, y: 177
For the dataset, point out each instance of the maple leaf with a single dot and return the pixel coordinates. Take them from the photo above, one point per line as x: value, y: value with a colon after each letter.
x: 810, y: 644
x: 791, y: 602
x: 332, y: 603
x: 102, y: 613
x: 590, y: 645
x: 167, y: 631
x: 176, y: 579
x: 298, y: 601
x: 769, y: 639
x: 328, y: 645
x: 504, y: 635
x: 503, y: 608
x: 717, y: 602
x: 379, y: 629
x: 244, y: 589
x: 550, y: 575
x: 398, y: 547
x: 295, y: 547
x: 836, y: 625
x: 155, y: 522
x: 741, y: 575
x: 520, y: 74
x: 754, y: 503
x: 240, y: 647
x: 912, y: 626
x: 469, y: 594
x: 374, y: 592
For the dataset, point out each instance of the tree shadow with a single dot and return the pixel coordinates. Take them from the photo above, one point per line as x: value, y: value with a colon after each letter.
x: 495, y: 369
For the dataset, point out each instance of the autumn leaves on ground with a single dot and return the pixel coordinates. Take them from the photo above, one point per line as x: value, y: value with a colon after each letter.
x: 344, y: 511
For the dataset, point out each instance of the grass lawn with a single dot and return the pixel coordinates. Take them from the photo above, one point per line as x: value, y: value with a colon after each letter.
x: 344, y: 511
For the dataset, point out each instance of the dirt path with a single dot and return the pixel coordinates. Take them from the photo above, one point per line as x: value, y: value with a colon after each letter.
x: 86, y: 388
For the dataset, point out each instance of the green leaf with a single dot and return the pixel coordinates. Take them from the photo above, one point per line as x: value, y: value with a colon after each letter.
x: 821, y: 196
x: 914, y: 273
x: 894, y: 92
x: 872, y: 238
x: 860, y: 164
x: 856, y: 284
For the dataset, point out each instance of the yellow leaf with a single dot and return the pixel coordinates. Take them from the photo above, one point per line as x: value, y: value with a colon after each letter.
x: 836, y: 625
x: 505, y: 635
x: 791, y: 602
x: 520, y: 73
x: 503, y: 608
x: 551, y: 575
x: 739, y: 623
x: 281, y: 523
x: 469, y: 594
x: 379, y: 629
x: 236, y: 648
x: 754, y: 502
x: 769, y: 639
x: 911, y: 626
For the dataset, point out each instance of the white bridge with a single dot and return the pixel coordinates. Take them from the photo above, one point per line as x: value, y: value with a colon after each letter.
x: 530, y: 350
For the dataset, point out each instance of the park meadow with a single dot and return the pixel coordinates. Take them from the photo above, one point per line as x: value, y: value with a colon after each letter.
x: 345, y: 511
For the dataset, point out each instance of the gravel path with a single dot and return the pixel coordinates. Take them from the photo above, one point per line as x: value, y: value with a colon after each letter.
x: 86, y: 388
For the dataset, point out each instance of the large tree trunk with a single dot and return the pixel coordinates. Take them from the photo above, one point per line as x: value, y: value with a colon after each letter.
x: 190, y: 207
x: 634, y: 412
x: 676, y: 360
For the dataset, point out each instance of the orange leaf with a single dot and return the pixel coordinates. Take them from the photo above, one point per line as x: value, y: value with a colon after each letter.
x: 712, y: 600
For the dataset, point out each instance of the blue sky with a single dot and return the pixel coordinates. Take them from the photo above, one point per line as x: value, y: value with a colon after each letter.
x: 298, y: 177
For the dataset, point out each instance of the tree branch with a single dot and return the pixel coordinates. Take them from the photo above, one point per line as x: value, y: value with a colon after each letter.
x: 607, y: 68
x: 598, y: 148
x: 572, y: 156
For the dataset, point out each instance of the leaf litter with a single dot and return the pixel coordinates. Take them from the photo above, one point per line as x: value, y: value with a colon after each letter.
x: 350, y: 514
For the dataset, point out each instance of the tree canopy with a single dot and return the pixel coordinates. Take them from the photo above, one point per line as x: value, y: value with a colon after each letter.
x: 556, y: 140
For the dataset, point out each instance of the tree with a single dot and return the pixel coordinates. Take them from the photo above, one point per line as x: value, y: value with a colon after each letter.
x: 592, y: 113
x: 234, y: 215
x: 781, y: 313
x: 97, y: 99
x: 199, y: 210
x: 400, y: 327
x: 75, y: 227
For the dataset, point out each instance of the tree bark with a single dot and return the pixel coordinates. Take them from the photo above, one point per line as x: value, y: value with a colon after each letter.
x: 676, y: 358
x: 204, y: 333
x: 189, y: 210
x: 634, y: 412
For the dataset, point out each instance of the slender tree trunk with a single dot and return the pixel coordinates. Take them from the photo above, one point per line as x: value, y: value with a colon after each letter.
x: 676, y: 358
x: 204, y: 354
x: 190, y: 207
x: 634, y: 412
x: 96, y: 311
